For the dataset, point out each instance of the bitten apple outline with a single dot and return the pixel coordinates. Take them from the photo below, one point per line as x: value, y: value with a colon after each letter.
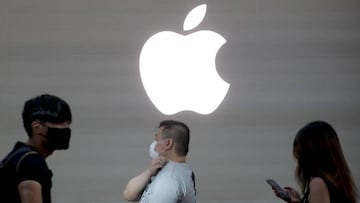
x: 178, y: 72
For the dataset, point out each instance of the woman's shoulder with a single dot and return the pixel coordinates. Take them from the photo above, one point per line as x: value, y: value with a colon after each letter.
x: 319, y: 190
x: 317, y: 183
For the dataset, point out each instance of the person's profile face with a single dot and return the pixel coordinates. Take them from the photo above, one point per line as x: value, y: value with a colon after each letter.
x: 160, y: 142
x: 54, y: 136
x: 42, y: 127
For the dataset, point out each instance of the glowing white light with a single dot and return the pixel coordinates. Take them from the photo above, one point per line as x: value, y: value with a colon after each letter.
x: 194, y: 17
x: 178, y: 71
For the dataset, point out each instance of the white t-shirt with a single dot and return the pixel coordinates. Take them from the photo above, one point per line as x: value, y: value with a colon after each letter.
x: 172, y: 184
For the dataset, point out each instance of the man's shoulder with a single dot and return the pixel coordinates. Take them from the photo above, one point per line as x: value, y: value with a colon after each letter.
x: 20, y: 150
x: 175, y: 168
x: 173, y: 173
x: 166, y: 183
x: 25, y: 156
x: 32, y: 160
x: 166, y: 176
x: 33, y: 167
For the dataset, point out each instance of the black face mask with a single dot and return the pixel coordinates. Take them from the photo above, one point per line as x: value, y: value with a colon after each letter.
x: 58, y: 138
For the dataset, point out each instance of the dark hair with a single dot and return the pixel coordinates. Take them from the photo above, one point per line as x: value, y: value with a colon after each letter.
x: 179, y: 132
x: 319, y: 154
x: 45, y: 108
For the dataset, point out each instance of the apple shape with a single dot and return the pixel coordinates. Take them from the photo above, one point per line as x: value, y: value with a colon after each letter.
x: 178, y: 72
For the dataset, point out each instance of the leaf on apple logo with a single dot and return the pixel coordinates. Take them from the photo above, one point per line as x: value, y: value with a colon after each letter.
x: 194, y: 17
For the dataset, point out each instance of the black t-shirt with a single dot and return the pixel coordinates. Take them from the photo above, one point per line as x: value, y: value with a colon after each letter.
x: 32, y: 167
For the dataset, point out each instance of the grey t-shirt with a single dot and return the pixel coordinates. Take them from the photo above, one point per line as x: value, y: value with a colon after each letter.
x: 172, y: 184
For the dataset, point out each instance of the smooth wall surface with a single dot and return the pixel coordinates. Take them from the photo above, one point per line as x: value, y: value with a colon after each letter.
x: 288, y: 63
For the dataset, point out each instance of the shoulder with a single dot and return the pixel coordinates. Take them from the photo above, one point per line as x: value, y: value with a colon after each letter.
x: 173, y: 178
x: 317, y: 184
x: 166, y: 178
x: 319, y: 190
x: 33, y: 165
x: 165, y: 189
x: 166, y: 181
x: 178, y: 169
x: 32, y: 159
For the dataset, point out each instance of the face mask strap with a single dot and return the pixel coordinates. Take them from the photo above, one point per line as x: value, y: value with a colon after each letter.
x: 42, y: 123
x: 55, y: 141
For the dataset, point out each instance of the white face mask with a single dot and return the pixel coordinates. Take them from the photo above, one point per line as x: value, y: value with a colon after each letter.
x: 153, y: 154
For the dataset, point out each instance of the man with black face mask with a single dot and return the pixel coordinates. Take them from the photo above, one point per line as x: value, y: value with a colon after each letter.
x: 46, y: 120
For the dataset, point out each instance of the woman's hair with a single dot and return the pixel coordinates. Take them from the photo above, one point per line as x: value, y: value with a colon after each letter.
x: 319, y: 154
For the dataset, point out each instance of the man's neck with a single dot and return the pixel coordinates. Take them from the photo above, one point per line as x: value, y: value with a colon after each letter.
x: 179, y: 159
x: 38, y: 147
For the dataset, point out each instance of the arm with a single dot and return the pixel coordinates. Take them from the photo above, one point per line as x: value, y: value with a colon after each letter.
x: 30, y: 192
x: 318, y: 191
x: 136, y: 185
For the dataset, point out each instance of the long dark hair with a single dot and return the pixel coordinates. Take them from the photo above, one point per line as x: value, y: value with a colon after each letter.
x: 319, y: 154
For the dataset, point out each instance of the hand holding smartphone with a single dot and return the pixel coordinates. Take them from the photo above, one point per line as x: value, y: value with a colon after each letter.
x: 279, y: 190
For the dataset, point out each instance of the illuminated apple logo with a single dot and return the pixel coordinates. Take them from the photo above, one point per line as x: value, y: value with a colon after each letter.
x: 178, y: 71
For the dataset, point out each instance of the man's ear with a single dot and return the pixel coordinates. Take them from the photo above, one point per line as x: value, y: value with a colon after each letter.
x: 36, y: 127
x: 169, y: 143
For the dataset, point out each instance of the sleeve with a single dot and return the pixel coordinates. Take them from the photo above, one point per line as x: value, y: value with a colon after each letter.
x: 33, y: 167
x: 165, y: 191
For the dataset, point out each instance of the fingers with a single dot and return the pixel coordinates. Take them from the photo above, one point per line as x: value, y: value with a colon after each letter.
x: 157, y: 164
x: 161, y: 161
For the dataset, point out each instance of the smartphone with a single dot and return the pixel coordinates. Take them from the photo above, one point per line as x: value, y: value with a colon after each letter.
x: 279, y: 190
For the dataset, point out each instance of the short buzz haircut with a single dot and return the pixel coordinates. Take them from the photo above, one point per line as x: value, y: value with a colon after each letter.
x: 45, y: 108
x: 179, y: 132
